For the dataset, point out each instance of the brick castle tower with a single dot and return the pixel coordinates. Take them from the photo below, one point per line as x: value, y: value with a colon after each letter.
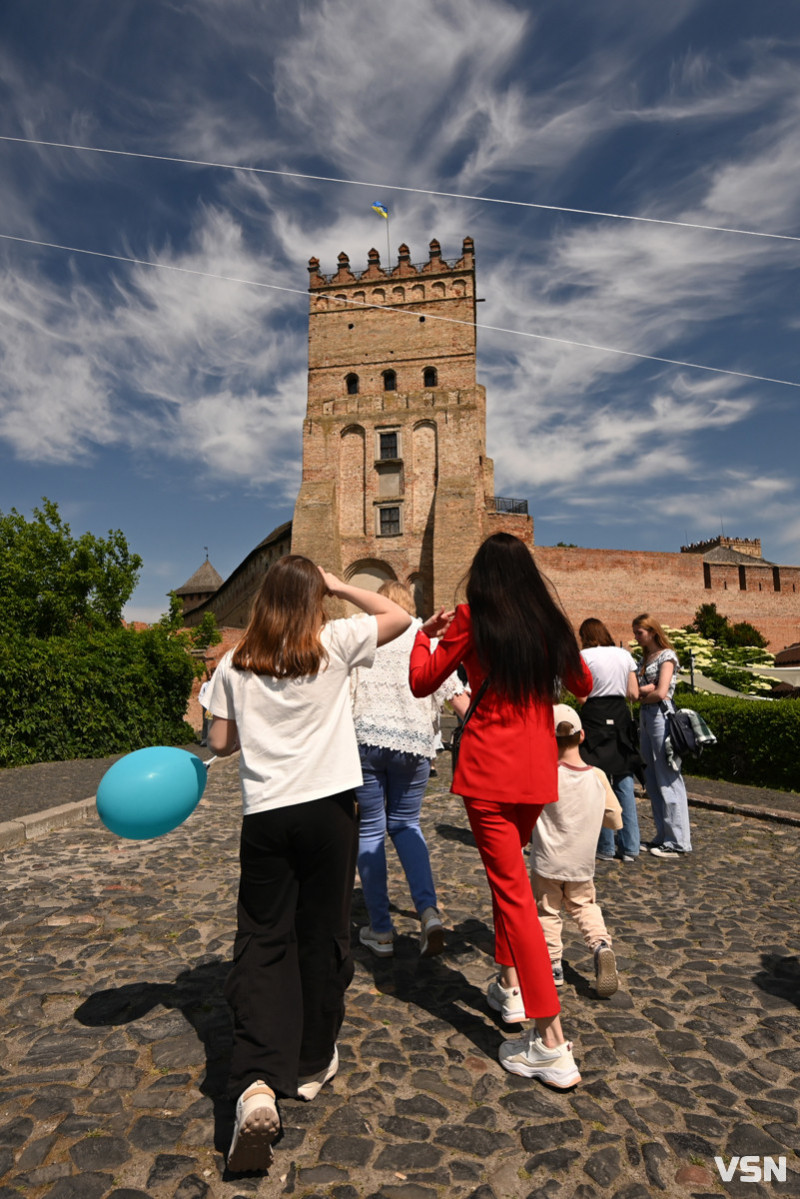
x: 396, y: 482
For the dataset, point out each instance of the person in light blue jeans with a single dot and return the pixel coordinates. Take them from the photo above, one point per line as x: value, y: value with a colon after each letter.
x: 396, y: 741
x: 665, y: 785
x: 390, y: 800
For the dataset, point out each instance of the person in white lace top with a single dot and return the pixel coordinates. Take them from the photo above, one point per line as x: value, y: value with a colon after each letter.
x: 396, y: 741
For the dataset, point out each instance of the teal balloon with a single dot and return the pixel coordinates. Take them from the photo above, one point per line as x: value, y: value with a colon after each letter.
x: 150, y: 792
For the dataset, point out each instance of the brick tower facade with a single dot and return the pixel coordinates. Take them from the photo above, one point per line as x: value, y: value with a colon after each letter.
x: 396, y: 482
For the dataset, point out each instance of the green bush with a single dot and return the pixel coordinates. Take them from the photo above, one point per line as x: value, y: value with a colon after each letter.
x: 756, y: 740
x: 92, y: 693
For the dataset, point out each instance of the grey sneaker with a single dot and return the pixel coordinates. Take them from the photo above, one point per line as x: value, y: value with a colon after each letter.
x: 309, y: 1087
x: 506, y: 1000
x: 431, y: 936
x: 257, y: 1125
x: 381, y: 944
x: 605, y: 971
x: 558, y: 973
x: 660, y: 851
x: 530, y: 1058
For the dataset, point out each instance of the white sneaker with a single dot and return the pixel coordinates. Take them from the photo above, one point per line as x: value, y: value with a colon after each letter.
x: 605, y: 970
x: 530, y: 1058
x: 431, y: 937
x: 257, y: 1125
x: 309, y: 1087
x: 381, y: 944
x: 506, y: 1000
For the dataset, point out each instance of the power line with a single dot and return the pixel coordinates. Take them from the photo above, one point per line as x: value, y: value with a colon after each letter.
x: 585, y: 345
x: 420, y: 191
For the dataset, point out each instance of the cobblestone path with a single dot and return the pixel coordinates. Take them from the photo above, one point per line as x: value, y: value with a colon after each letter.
x: 116, y: 1036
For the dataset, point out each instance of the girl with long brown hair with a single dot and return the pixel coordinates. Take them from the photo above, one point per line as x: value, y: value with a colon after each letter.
x: 282, y: 696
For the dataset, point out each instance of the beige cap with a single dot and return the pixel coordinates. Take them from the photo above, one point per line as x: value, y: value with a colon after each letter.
x: 564, y: 714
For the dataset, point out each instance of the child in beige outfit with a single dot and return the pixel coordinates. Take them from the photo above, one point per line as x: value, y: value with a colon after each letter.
x: 563, y: 848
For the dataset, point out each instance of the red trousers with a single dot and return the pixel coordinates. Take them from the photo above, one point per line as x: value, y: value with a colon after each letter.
x: 500, y: 831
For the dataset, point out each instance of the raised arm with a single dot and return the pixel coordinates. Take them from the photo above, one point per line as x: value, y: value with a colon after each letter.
x: 392, y: 619
x: 427, y: 671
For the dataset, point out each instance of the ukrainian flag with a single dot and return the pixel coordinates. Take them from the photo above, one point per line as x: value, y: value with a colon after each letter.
x: 381, y: 210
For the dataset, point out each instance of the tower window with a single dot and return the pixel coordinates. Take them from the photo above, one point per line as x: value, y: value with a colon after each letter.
x: 352, y: 385
x: 387, y: 445
x: 389, y: 381
x: 389, y: 522
x: 429, y: 377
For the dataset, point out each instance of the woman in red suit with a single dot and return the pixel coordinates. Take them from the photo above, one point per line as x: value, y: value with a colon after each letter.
x: 512, y: 630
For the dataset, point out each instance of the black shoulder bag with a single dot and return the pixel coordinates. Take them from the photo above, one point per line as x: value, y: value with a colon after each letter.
x: 455, y: 740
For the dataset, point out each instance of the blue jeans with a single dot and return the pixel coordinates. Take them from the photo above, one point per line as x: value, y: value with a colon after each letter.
x: 390, y: 800
x: 665, y: 786
x: 625, y: 839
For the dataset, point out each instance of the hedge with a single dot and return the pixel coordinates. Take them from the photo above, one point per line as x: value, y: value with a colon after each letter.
x: 91, y: 694
x: 757, y: 740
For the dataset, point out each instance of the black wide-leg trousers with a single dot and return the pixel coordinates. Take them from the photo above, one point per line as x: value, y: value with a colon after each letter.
x: 292, y: 960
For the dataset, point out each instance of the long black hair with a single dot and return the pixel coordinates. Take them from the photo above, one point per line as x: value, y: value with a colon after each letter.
x: 522, y: 636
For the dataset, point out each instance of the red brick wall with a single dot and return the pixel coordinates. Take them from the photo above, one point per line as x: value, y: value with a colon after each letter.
x: 617, y: 585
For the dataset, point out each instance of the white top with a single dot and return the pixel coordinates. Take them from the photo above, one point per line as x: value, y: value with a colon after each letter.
x: 564, y: 840
x: 610, y: 666
x: 297, y: 736
x: 385, y: 713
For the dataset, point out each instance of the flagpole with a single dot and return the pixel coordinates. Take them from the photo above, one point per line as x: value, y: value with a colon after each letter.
x: 388, y: 248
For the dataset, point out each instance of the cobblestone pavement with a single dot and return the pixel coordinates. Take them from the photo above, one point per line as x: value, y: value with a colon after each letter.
x: 116, y: 1036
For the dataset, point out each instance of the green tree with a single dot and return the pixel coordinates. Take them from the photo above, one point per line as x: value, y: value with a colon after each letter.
x: 75, y: 682
x: 51, y: 582
x: 709, y: 622
x: 193, y: 640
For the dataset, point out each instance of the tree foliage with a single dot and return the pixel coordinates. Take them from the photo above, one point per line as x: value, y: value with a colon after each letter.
x: 75, y: 681
x: 52, y: 582
x: 712, y: 624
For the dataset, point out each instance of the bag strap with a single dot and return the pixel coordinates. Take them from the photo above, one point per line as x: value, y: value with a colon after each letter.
x: 476, y: 700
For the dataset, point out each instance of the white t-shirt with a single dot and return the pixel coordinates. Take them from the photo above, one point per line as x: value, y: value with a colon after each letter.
x: 564, y: 840
x: 610, y: 666
x: 297, y: 736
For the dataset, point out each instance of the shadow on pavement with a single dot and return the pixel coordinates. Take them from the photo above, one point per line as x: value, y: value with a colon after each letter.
x: 198, y: 994
x: 780, y: 976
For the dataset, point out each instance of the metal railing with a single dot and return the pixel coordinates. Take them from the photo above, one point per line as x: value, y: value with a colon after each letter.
x: 503, y: 504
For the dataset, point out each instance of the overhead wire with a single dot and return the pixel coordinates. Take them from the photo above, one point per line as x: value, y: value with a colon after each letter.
x: 399, y: 311
x: 421, y: 191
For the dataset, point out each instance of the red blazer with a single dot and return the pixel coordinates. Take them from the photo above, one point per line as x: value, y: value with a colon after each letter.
x: 508, y: 753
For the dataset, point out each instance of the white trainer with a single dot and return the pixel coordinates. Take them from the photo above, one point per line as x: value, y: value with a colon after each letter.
x: 257, y: 1125
x: 506, y: 1000
x: 309, y: 1087
x: 381, y: 944
x: 431, y: 936
x: 530, y: 1058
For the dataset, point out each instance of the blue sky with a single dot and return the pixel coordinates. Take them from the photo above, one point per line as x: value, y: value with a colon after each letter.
x: 170, y: 405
